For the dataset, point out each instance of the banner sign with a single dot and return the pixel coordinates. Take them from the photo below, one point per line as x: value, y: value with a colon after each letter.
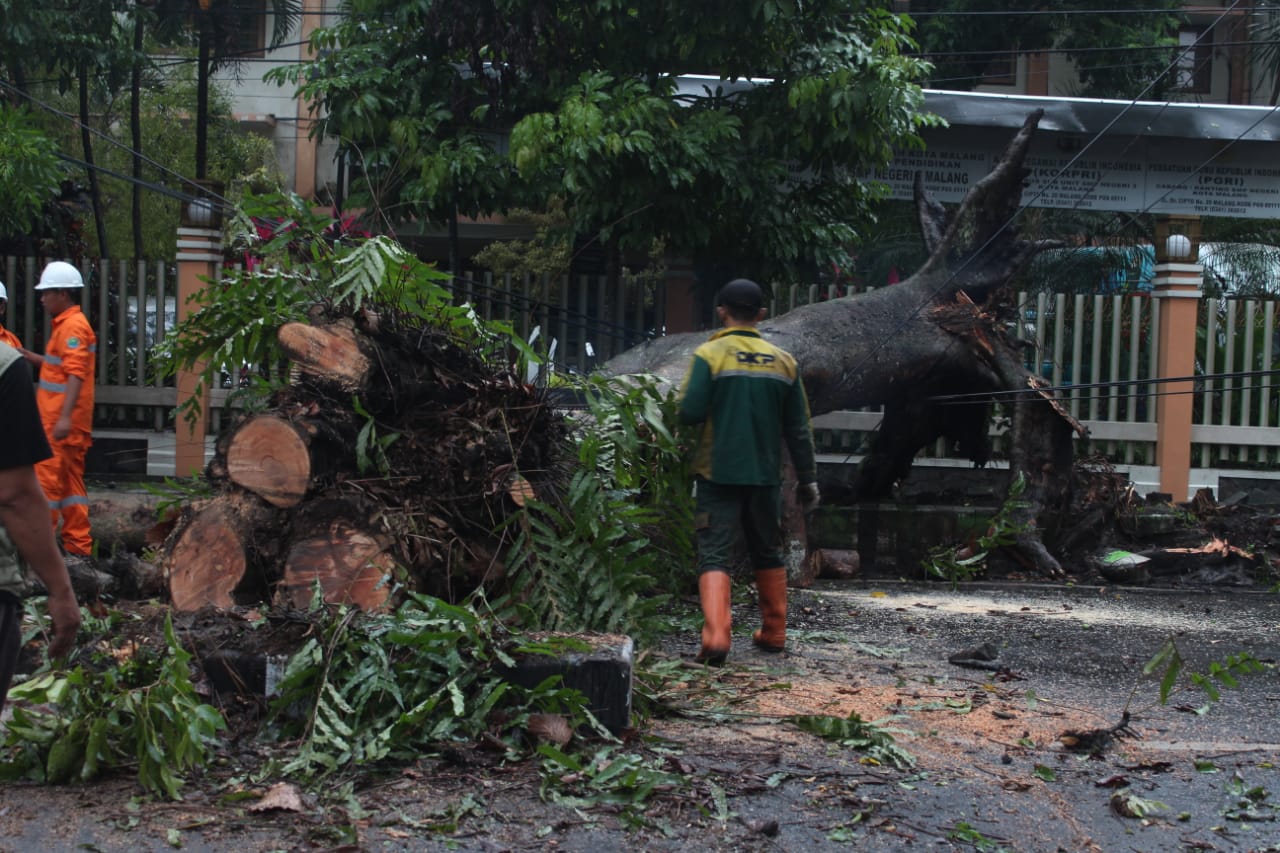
x: 1142, y: 175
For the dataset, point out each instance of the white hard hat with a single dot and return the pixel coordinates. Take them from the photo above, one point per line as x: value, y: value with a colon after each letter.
x: 4, y: 294
x: 59, y: 274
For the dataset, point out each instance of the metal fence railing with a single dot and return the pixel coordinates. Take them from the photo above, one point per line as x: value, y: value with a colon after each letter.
x: 580, y: 322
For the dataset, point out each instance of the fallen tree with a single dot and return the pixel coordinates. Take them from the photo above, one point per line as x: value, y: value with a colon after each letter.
x: 942, y: 332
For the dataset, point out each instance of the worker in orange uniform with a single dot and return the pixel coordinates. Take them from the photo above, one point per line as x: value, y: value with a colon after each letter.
x: 6, y: 336
x: 64, y: 396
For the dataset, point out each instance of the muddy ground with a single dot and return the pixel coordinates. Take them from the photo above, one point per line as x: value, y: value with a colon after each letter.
x: 990, y: 772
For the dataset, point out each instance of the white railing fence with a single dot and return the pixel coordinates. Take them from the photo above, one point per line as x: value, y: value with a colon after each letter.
x: 1098, y: 349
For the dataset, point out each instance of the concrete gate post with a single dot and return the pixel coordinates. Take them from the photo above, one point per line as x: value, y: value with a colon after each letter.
x: 199, y: 260
x: 1178, y: 284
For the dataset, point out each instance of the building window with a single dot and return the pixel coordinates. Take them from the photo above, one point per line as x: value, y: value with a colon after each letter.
x: 1194, y: 65
x: 248, y: 36
x: 1001, y: 71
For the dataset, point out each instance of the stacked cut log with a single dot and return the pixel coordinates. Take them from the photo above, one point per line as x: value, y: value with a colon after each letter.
x: 389, y: 464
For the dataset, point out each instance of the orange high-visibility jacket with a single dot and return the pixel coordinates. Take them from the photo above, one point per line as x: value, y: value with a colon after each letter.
x: 8, y: 337
x: 71, y: 351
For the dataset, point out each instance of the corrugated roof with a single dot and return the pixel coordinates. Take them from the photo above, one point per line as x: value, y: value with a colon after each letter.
x: 1091, y: 116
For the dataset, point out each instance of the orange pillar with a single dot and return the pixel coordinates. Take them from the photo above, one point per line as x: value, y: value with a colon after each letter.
x: 199, y: 259
x: 1179, y: 287
x: 304, y: 146
x: 1037, y: 74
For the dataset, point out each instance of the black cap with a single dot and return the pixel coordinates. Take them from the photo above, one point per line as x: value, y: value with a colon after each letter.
x: 741, y: 293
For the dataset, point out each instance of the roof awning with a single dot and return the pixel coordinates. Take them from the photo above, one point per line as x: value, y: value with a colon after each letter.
x: 1092, y: 116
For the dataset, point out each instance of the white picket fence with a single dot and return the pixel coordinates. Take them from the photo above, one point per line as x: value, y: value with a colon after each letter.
x: 1098, y: 350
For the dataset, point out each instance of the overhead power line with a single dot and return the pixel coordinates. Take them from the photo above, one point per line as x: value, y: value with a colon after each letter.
x: 1033, y: 13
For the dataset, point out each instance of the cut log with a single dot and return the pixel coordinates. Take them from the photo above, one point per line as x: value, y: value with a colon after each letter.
x: 206, y: 561
x: 331, y: 352
x: 211, y: 551
x: 271, y: 457
x: 120, y: 519
x: 350, y: 564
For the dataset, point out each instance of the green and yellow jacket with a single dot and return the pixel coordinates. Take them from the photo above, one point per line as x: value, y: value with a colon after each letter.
x: 748, y: 396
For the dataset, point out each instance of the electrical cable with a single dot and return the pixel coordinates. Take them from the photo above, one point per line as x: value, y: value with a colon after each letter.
x: 156, y: 188
x: 1032, y: 13
x: 225, y: 202
x: 1055, y: 51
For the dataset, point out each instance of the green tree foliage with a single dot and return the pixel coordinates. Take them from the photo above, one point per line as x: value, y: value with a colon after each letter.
x: 236, y: 158
x: 392, y: 686
x: 1115, y: 55
x: 1265, y: 33
x: 622, y: 531
x: 83, y: 63
x: 135, y: 709
x: 29, y: 171
x: 179, y: 22
x: 457, y: 108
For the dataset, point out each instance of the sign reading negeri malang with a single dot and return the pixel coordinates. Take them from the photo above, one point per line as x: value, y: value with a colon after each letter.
x: 1204, y: 177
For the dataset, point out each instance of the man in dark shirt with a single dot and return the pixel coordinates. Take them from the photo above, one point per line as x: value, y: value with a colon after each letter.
x: 26, y: 534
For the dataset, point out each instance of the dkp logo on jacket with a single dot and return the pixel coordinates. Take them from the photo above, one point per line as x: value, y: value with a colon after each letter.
x: 759, y: 359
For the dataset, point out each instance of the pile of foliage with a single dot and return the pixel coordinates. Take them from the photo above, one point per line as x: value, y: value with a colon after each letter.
x: 478, y: 479
x: 591, y: 548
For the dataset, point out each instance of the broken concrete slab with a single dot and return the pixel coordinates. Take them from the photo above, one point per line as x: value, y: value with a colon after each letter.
x: 597, y: 665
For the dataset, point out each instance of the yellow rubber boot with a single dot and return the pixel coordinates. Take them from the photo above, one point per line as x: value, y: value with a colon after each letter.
x: 714, y: 590
x: 771, y: 584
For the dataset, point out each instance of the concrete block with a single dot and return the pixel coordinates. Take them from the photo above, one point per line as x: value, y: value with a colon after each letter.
x: 236, y: 673
x: 601, y: 669
x: 891, y: 539
x: 109, y: 456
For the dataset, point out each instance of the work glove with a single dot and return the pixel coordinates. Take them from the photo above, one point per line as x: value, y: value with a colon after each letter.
x: 807, y: 495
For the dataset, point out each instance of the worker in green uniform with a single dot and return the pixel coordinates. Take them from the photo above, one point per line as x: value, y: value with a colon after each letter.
x: 747, y: 395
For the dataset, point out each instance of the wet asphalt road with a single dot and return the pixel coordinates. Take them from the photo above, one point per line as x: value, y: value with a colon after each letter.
x: 989, y: 776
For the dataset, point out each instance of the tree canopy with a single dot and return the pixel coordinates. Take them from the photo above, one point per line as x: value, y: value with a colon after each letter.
x: 456, y: 108
x: 1116, y: 55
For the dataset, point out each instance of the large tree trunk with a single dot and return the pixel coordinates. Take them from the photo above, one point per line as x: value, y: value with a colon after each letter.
x: 938, y: 333
x: 135, y: 131
x: 86, y: 143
